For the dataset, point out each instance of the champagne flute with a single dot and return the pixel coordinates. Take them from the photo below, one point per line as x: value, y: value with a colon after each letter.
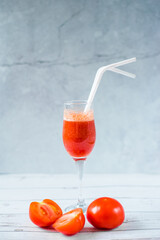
x: 79, y: 137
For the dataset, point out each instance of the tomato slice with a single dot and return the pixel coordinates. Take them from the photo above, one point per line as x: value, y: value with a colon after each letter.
x: 71, y: 222
x: 44, y: 213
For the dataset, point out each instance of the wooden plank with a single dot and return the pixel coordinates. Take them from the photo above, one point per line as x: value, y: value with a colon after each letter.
x: 129, y: 204
x: 130, y: 235
x: 66, y: 193
x: 68, y: 180
x: 133, y: 221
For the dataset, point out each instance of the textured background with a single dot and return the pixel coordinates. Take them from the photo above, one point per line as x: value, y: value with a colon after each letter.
x: 49, y: 53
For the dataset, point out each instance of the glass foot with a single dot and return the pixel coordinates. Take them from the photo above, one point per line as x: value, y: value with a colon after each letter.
x: 79, y: 204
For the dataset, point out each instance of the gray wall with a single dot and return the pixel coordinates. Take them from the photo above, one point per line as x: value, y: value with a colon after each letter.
x: 49, y: 53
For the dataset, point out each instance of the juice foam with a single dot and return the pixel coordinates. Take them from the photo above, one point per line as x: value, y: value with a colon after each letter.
x: 78, y: 116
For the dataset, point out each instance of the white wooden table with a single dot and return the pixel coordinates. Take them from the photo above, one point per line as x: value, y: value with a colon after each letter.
x: 139, y: 194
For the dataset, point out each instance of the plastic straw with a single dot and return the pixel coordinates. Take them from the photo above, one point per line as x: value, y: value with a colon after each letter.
x: 127, y: 74
x: 99, y: 74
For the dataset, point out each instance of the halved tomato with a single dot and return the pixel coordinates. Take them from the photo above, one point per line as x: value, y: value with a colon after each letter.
x: 71, y: 222
x: 56, y: 208
x: 44, y: 213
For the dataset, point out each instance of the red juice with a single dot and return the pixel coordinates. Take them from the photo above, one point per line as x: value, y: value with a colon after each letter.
x: 79, y: 134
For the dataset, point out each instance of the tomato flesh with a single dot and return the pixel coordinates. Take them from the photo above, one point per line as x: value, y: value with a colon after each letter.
x: 105, y: 213
x: 71, y: 222
x: 44, y: 213
x: 56, y: 208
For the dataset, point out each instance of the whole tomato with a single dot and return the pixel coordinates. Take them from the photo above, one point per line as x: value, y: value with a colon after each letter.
x: 105, y: 213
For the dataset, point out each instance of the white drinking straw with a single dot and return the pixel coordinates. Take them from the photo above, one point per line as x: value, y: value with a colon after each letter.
x: 99, y: 74
x: 116, y: 70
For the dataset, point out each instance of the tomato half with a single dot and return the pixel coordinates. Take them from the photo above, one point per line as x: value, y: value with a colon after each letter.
x: 71, y: 222
x: 106, y: 213
x: 56, y: 208
x: 44, y: 213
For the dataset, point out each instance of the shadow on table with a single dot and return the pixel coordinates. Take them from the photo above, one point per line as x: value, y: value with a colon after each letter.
x: 85, y: 229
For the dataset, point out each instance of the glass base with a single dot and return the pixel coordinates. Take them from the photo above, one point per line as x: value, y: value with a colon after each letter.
x: 80, y: 204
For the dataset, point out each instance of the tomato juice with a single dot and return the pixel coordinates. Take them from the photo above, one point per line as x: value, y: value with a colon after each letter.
x: 79, y: 133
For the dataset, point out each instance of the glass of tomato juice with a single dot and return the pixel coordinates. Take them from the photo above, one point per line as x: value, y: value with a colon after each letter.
x: 79, y: 135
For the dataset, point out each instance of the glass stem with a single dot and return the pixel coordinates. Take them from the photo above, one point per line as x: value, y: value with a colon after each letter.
x: 80, y: 167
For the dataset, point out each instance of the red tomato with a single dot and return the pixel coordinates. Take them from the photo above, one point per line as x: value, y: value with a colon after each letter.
x: 105, y: 213
x: 71, y: 222
x: 56, y: 208
x: 44, y: 213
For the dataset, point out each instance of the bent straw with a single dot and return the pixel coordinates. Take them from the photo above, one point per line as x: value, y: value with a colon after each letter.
x: 127, y: 74
x: 99, y: 74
